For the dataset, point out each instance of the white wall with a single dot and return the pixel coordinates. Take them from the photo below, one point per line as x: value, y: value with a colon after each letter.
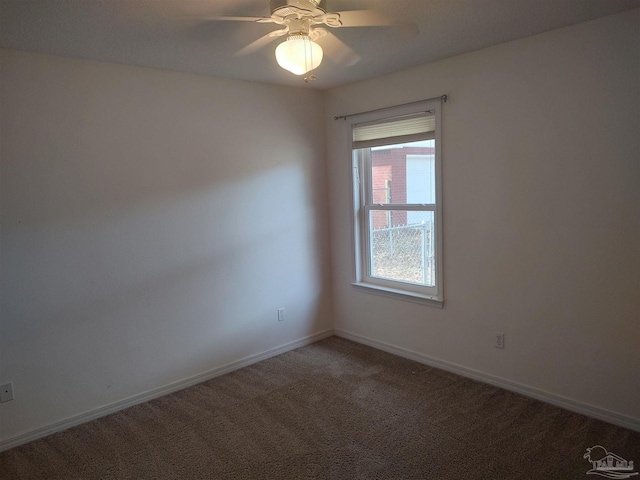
x: 152, y: 224
x: 541, y: 165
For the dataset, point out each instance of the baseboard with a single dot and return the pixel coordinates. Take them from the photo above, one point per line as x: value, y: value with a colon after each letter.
x: 572, y: 405
x: 158, y: 392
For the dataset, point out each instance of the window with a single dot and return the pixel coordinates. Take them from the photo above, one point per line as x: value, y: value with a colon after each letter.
x: 398, y: 202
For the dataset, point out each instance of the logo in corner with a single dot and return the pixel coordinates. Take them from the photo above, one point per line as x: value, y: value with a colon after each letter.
x: 608, y: 464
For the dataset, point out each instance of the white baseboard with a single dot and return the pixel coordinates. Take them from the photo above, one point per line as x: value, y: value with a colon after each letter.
x: 578, y: 407
x: 158, y: 392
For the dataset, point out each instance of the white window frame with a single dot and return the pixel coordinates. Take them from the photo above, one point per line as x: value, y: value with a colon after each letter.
x: 362, y: 205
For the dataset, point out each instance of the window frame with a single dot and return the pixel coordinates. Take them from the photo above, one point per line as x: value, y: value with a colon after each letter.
x: 362, y: 201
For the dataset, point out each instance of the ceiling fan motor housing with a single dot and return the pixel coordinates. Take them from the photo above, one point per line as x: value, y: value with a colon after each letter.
x: 285, y: 8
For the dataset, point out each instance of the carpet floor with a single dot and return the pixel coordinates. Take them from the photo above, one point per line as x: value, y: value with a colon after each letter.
x: 332, y: 410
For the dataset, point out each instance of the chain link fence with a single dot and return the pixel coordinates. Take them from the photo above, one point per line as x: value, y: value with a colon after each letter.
x: 404, y: 253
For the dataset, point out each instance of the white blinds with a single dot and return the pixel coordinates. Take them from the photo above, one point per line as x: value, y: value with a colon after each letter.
x: 408, y: 128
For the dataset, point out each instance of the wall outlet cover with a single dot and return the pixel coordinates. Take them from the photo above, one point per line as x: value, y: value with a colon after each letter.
x: 6, y: 392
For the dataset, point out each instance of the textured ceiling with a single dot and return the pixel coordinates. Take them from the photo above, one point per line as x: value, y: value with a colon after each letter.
x: 176, y: 35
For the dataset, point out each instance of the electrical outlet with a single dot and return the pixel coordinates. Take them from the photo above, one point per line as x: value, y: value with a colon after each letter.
x: 499, y: 340
x: 6, y: 392
x: 281, y: 314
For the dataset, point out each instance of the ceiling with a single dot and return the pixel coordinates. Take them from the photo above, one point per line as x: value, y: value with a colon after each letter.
x: 176, y: 34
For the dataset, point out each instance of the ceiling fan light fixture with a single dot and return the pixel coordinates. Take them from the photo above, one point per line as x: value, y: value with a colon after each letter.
x: 299, y: 54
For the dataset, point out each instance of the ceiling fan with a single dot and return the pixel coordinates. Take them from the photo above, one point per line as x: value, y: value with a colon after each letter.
x: 303, y: 22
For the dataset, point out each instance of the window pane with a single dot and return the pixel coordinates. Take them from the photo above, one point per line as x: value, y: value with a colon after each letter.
x: 403, y: 173
x: 402, y: 246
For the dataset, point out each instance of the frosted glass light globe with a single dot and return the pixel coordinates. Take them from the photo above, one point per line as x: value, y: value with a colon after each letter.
x: 299, y: 54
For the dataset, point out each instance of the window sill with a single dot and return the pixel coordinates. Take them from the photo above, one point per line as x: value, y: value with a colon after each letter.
x: 400, y: 294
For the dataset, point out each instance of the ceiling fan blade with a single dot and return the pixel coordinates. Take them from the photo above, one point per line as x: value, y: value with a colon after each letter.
x: 241, y: 19
x: 334, y: 48
x: 365, y: 18
x: 262, y: 42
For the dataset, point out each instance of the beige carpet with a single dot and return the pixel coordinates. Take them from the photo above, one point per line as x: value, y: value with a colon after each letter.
x: 335, y: 410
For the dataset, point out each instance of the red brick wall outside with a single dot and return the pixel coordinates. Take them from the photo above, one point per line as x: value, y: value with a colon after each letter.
x: 390, y: 165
